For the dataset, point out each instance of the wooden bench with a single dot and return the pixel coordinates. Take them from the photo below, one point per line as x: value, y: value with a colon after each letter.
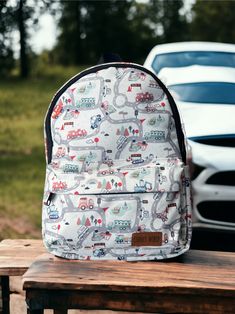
x: 15, y: 258
x: 196, y: 282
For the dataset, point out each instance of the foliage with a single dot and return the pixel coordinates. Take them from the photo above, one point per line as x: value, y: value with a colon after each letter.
x: 90, y: 28
x: 175, y: 25
x: 213, y: 21
x: 6, y: 52
x: 23, y: 15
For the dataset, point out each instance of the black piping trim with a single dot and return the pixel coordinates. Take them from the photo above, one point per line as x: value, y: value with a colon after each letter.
x: 94, y: 69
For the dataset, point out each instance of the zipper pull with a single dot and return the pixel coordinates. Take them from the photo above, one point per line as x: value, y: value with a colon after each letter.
x: 50, y: 198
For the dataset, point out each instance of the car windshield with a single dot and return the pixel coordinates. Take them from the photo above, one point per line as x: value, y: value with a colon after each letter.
x: 204, y: 92
x: 187, y: 58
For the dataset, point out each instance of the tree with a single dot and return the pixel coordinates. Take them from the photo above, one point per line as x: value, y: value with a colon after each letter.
x: 126, y: 133
x: 108, y: 186
x: 90, y: 28
x: 172, y: 24
x: 70, y: 48
x: 87, y: 223
x: 6, y: 52
x: 23, y: 16
x: 99, y: 185
x: 213, y: 21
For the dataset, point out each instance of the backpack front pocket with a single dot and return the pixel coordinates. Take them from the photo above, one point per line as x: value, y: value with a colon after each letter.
x: 103, y: 223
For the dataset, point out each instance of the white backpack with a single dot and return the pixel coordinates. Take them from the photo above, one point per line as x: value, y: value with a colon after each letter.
x: 117, y: 187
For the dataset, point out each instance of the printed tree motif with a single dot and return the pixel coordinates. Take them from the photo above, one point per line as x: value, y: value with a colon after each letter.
x: 122, y: 129
x: 99, y: 221
x: 136, y: 113
x: 118, y: 132
x: 163, y: 104
x: 125, y: 206
x: 99, y: 185
x: 83, y: 220
x: 95, y: 222
x: 119, y: 185
x: 112, y: 181
x: 126, y: 133
x: 108, y: 186
x: 103, y: 184
x: 87, y: 223
x: 96, y: 140
x: 116, y: 185
x: 130, y: 128
x: 78, y: 221
x: 92, y: 218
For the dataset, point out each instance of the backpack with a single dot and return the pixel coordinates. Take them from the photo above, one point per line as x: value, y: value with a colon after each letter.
x: 117, y: 186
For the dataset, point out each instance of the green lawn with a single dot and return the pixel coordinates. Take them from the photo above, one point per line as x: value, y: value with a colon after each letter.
x: 23, y: 104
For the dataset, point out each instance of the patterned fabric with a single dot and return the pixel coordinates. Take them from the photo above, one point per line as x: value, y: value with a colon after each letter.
x: 116, y: 171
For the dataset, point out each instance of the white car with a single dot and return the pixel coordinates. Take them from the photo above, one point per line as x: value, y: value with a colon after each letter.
x: 184, y: 54
x: 205, y: 97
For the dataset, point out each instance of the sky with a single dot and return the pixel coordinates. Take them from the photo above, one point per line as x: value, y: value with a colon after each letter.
x: 45, y: 37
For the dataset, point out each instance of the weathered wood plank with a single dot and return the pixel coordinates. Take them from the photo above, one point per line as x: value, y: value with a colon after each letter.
x: 197, y: 282
x: 17, y: 255
x: 130, y: 301
x: 194, y: 273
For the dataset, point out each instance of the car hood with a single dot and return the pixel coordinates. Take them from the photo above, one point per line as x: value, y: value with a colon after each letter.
x: 208, y: 156
x: 204, y: 119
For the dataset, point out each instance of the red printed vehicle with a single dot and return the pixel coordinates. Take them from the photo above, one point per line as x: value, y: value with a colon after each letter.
x: 76, y: 133
x: 57, y: 110
x: 84, y: 203
x: 141, y: 97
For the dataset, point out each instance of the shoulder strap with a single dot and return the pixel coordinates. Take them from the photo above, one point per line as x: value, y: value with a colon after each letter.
x: 107, y: 57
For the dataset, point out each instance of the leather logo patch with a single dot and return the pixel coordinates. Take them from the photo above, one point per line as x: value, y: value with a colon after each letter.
x: 146, y: 239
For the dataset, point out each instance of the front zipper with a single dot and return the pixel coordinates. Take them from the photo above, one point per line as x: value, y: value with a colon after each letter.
x: 180, y: 134
x: 49, y: 199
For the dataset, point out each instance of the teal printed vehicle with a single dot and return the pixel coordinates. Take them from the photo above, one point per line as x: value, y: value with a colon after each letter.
x: 122, y: 225
x: 155, y: 135
x: 70, y: 168
x: 86, y: 103
x: 122, y: 239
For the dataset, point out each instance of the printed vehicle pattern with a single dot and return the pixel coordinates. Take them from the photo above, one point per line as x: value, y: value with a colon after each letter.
x: 116, y: 169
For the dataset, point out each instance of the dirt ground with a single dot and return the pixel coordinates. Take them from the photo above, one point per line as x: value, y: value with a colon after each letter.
x: 18, y: 305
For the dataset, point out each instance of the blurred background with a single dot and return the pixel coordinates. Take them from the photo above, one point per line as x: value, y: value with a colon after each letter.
x: 44, y: 43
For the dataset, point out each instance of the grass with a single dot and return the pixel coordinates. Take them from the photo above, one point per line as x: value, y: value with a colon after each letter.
x: 23, y: 105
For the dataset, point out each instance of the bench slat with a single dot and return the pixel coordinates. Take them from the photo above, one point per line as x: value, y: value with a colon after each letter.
x: 197, y: 282
x: 17, y: 255
x: 196, y: 271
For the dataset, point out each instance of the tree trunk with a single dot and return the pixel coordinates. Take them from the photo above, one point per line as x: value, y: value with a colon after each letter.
x: 24, y: 69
